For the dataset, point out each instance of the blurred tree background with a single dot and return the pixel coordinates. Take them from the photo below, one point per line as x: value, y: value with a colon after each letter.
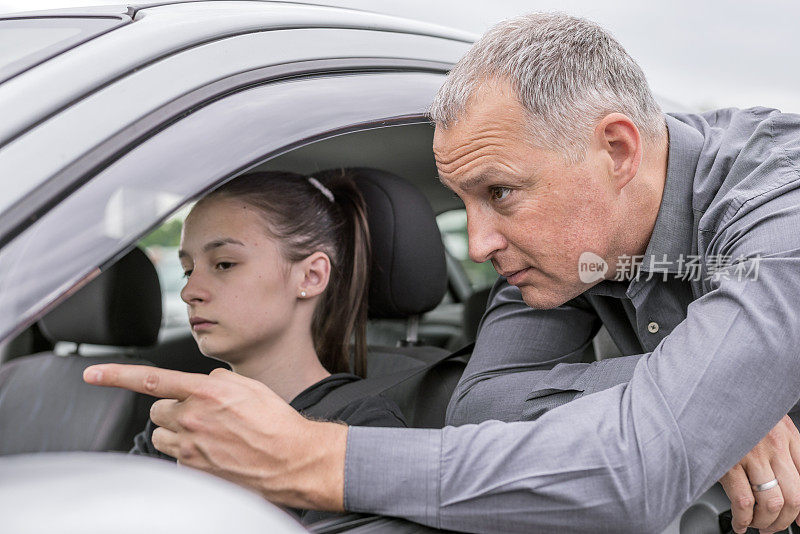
x: 166, y: 235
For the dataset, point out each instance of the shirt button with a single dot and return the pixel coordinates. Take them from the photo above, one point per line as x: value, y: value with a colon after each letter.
x: 652, y: 327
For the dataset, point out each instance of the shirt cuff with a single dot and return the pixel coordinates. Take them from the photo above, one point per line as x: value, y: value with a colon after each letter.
x: 393, y: 471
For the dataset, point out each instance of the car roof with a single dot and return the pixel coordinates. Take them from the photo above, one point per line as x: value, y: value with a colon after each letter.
x: 128, y: 71
x: 132, y: 8
x: 158, y: 30
x: 194, y: 9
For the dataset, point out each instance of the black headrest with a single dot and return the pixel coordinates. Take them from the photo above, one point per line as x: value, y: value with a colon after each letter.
x: 120, y: 307
x: 409, y: 272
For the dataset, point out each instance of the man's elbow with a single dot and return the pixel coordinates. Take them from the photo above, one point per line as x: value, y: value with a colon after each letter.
x: 520, y: 396
x: 636, y: 516
x: 498, y: 398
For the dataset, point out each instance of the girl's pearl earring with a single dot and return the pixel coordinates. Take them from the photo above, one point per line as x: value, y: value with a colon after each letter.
x: 302, y: 293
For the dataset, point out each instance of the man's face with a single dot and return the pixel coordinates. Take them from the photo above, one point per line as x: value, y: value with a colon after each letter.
x: 528, y: 211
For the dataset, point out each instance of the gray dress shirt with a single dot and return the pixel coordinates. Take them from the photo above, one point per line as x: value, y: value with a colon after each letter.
x: 710, y: 330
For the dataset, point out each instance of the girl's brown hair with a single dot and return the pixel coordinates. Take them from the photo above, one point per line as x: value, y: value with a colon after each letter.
x: 304, y: 220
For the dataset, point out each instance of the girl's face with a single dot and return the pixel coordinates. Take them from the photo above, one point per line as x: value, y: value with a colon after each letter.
x: 240, y: 292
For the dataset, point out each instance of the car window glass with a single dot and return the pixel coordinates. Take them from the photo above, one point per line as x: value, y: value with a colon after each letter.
x: 98, y: 222
x: 453, y: 225
x: 161, y: 246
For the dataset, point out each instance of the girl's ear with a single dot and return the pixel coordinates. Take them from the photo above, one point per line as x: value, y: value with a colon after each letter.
x: 315, y: 271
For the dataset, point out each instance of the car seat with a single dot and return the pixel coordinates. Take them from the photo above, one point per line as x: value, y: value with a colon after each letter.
x: 44, y: 403
x: 408, y: 277
x: 474, y: 308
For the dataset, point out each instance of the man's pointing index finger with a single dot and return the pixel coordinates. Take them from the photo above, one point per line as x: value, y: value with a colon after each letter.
x: 162, y: 383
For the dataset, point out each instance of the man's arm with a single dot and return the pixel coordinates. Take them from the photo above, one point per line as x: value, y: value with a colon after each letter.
x: 630, y: 457
x: 515, y: 355
x: 533, y: 341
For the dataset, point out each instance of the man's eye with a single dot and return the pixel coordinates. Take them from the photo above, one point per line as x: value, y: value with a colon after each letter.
x: 224, y: 265
x: 499, y: 192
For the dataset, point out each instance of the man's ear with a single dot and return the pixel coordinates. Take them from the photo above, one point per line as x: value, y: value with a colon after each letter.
x: 315, y: 272
x: 618, y: 139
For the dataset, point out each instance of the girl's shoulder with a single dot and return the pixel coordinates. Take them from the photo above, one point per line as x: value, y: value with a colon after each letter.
x: 375, y: 410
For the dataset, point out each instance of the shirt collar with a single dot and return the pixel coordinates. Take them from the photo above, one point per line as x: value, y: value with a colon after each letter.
x: 673, y: 232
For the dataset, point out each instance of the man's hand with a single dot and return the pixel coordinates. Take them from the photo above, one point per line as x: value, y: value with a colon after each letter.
x: 775, y: 456
x: 238, y: 429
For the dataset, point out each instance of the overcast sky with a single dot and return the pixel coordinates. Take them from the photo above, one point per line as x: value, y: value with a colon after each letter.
x: 701, y: 53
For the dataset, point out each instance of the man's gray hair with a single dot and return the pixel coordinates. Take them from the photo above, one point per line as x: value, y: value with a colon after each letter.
x: 568, y: 72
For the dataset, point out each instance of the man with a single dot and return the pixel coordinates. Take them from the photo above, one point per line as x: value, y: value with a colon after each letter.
x: 548, y: 132
x: 607, y: 222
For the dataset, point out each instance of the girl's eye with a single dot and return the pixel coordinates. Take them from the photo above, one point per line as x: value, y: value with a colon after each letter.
x: 499, y: 192
x: 187, y: 274
x: 224, y: 265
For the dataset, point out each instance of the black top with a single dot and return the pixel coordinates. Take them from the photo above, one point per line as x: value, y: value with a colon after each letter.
x: 369, y: 411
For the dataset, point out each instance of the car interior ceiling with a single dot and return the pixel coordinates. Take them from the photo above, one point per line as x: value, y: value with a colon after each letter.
x: 400, y: 159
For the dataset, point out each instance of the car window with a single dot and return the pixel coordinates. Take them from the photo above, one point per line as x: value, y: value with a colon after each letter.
x: 453, y: 225
x: 161, y: 246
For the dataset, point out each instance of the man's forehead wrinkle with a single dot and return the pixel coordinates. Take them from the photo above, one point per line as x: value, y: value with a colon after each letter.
x: 480, y: 141
x: 466, y: 157
x: 469, y: 178
x: 483, y: 130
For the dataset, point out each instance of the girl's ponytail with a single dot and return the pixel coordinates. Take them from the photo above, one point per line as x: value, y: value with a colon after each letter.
x: 342, y: 316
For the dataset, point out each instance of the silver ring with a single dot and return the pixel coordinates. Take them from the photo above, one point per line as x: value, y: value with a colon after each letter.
x: 765, y: 486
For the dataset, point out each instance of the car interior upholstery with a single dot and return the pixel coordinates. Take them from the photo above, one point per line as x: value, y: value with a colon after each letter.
x: 120, y: 308
x: 408, y: 277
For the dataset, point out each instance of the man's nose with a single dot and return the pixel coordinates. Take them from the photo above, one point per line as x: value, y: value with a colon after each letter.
x: 194, y: 291
x: 484, y: 239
